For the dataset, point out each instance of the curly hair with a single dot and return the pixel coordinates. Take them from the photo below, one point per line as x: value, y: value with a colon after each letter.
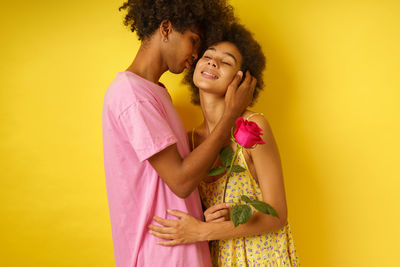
x: 209, y: 16
x: 253, y: 58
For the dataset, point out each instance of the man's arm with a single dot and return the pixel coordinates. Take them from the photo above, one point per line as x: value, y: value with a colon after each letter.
x: 183, y: 175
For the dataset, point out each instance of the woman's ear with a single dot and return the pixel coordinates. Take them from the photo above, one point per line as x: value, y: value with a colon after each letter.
x: 165, y: 30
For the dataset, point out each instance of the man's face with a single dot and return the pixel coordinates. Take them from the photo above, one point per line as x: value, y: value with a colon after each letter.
x: 182, y: 50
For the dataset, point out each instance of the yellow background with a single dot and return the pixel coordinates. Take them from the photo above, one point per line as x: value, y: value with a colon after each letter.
x: 332, y: 98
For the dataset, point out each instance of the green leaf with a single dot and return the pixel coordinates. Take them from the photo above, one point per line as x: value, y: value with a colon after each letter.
x: 240, y: 214
x: 246, y: 199
x: 237, y: 168
x: 226, y: 156
x: 264, y: 207
x: 216, y: 171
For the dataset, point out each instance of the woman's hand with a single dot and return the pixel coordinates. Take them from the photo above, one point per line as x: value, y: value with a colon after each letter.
x: 175, y: 232
x: 217, y: 213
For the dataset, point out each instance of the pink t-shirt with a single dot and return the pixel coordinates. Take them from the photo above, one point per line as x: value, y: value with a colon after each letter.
x: 139, y: 121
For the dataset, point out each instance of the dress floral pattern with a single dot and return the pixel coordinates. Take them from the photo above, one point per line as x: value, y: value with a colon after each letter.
x: 272, y: 249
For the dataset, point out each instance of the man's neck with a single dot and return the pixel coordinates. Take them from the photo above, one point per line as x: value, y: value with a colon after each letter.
x: 148, y: 62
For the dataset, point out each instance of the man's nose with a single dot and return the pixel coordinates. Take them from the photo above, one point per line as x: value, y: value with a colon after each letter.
x: 194, y: 55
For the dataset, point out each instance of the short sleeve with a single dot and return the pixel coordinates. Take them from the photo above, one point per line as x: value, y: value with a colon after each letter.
x: 147, y: 129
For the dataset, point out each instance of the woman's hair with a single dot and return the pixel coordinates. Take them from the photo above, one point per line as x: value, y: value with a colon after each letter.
x: 253, y: 58
x: 208, y: 16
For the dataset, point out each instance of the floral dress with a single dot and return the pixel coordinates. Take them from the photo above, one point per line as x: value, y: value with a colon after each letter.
x: 271, y: 249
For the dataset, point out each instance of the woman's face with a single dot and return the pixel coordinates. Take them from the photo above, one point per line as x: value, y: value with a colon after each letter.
x: 217, y: 67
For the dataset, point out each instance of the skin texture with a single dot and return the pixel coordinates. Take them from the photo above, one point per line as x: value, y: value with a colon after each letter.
x: 253, y: 58
x: 222, y: 61
x: 169, y: 49
x: 263, y: 161
x: 180, y: 49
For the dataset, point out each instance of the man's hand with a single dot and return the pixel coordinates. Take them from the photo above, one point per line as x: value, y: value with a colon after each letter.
x: 217, y: 213
x: 238, y: 97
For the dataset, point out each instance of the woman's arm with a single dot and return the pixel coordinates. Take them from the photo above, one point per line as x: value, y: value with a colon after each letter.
x: 268, y: 168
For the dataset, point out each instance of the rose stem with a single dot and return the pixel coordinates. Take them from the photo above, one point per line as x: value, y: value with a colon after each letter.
x: 229, y: 171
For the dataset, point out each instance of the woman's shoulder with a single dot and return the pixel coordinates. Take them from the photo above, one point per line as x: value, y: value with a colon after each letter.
x: 261, y: 121
x: 257, y: 117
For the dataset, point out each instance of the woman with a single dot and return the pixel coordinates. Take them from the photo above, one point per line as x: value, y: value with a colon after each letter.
x: 264, y: 240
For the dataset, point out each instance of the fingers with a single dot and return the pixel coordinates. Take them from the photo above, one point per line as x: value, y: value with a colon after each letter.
x: 215, y: 208
x: 247, y: 80
x: 238, y: 78
x: 165, y: 222
x: 163, y: 236
x: 247, y: 87
x: 177, y: 213
x: 223, y: 219
x: 172, y: 231
x: 169, y: 234
x: 169, y: 243
x: 236, y: 81
x: 162, y: 230
x: 253, y: 85
x: 217, y: 215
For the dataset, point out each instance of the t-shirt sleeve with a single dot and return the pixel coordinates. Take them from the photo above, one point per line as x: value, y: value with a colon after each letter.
x: 147, y: 129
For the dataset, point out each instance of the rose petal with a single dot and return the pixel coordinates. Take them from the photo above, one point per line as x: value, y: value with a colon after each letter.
x: 247, y: 133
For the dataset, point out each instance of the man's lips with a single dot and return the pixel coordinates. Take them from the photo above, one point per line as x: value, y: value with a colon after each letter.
x: 188, y: 64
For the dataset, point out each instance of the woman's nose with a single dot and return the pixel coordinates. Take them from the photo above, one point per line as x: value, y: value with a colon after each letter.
x: 212, y: 63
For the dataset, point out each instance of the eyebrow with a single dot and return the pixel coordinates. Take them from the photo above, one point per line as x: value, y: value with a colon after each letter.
x: 226, y: 53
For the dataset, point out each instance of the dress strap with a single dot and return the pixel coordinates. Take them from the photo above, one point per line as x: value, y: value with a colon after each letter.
x: 251, y: 115
x: 193, y: 138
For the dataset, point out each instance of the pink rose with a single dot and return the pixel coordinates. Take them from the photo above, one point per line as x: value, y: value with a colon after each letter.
x: 247, y: 133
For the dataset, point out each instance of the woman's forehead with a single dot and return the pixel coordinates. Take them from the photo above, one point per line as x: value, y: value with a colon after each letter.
x: 226, y: 48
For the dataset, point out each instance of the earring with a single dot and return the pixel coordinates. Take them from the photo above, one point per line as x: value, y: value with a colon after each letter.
x: 165, y: 40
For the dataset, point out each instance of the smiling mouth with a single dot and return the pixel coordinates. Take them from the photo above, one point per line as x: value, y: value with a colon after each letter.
x: 209, y: 75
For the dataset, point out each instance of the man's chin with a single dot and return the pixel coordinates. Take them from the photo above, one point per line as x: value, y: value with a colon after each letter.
x: 177, y: 70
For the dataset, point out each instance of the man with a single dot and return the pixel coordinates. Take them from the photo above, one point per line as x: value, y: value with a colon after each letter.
x: 148, y: 166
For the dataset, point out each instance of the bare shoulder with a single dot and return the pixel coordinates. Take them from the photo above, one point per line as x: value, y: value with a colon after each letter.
x: 261, y: 121
x: 270, y: 148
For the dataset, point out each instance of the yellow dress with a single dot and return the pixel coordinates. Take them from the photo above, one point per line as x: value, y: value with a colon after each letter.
x: 272, y: 249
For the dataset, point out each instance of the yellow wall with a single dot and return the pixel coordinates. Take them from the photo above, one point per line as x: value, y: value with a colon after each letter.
x: 331, y: 96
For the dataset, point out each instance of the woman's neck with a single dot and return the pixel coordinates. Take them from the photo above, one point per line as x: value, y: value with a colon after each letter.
x: 148, y: 62
x: 213, y: 108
